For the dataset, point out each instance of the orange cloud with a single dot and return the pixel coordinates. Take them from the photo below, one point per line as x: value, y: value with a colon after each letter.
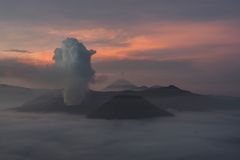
x: 119, y: 43
x: 36, y: 58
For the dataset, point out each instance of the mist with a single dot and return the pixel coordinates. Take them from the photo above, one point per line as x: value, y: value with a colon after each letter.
x: 190, y: 135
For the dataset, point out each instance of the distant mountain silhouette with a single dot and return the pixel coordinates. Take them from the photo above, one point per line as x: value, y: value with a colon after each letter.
x: 164, y: 98
x: 125, y: 85
x: 121, y: 85
x: 127, y: 107
x: 160, y: 91
x: 15, y: 95
x: 52, y: 102
x: 156, y: 86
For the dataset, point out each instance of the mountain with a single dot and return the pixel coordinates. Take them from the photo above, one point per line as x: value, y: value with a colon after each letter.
x: 127, y: 107
x: 15, y: 96
x: 125, y: 85
x: 120, y: 85
x: 164, y: 98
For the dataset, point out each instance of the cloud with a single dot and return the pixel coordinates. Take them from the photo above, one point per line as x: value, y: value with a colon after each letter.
x: 17, y: 50
x: 195, y: 51
x: 117, y: 13
x: 118, y: 66
x: 54, y: 136
x: 105, y: 42
x: 46, y: 75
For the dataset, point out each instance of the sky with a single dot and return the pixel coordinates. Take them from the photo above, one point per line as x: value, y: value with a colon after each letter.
x: 189, y: 43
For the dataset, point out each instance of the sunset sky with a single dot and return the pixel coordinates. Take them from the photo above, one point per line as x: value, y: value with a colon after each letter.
x: 194, y: 44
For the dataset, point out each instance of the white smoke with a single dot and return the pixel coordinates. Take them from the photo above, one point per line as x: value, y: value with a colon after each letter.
x: 74, y: 59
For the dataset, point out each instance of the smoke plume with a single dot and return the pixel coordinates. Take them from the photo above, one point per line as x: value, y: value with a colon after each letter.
x: 74, y: 60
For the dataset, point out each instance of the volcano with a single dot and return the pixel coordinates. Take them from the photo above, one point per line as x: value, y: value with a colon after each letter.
x: 120, y: 85
x: 127, y: 107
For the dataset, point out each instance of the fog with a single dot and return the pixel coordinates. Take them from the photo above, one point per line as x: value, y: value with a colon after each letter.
x: 188, y: 135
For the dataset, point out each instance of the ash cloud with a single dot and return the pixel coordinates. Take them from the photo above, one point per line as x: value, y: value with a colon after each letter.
x: 74, y: 60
